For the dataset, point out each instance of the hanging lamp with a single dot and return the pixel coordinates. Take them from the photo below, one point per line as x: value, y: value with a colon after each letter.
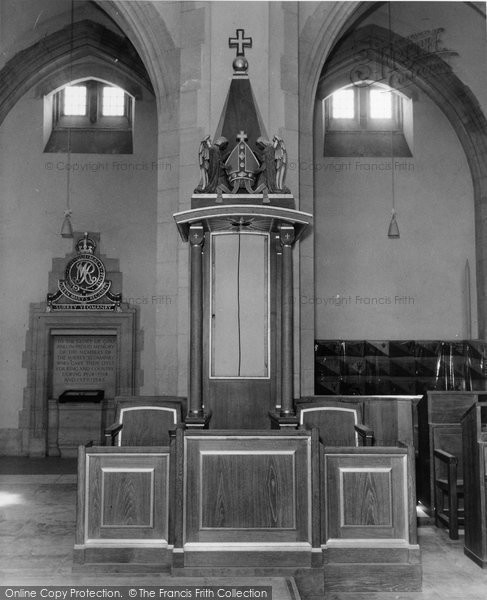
x: 393, y: 231
x: 67, y: 226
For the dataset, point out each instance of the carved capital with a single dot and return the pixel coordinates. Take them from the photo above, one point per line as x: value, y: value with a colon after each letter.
x: 196, y: 235
x: 287, y: 235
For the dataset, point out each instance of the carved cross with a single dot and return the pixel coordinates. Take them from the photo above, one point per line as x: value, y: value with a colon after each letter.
x: 287, y: 234
x: 240, y: 42
x: 242, y: 137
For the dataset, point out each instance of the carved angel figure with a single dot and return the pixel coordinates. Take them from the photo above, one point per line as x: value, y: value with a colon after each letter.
x: 211, y: 162
x: 280, y: 156
x: 267, y: 170
x: 273, y: 159
x: 204, y: 162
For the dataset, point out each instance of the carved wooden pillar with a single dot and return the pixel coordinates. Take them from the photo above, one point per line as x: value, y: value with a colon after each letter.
x: 195, y: 416
x: 286, y: 418
x: 287, y: 237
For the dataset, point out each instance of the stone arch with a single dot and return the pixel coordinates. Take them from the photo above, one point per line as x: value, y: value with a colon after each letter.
x: 319, y: 35
x: 145, y: 28
x: 438, y: 82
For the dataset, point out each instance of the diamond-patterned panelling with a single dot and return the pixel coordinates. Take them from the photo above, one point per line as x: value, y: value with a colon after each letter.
x: 398, y: 367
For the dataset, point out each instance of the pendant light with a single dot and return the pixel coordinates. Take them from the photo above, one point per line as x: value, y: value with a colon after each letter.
x: 393, y: 231
x: 67, y: 226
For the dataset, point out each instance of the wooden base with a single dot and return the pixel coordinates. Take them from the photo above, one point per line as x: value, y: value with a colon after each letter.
x: 122, y: 560
x: 279, y: 421
x: 197, y: 422
x: 476, y: 559
x: 367, y: 578
x: 225, y: 559
x: 385, y: 569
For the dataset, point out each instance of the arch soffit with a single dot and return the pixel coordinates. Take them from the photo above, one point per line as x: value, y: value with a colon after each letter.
x: 68, y: 54
x: 90, y: 67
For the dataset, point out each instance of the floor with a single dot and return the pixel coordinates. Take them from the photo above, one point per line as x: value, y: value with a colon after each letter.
x: 37, y: 516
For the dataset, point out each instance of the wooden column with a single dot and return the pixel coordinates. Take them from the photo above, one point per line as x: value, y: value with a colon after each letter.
x: 195, y: 416
x: 287, y: 413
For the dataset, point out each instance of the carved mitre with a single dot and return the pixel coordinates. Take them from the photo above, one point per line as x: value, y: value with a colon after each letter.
x: 242, y: 164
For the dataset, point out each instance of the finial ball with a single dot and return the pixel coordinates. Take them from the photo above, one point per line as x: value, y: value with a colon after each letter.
x: 240, y: 64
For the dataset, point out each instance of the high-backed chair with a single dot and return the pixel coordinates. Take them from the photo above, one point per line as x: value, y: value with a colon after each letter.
x: 339, y: 423
x: 144, y: 420
x: 474, y: 438
x: 448, y: 477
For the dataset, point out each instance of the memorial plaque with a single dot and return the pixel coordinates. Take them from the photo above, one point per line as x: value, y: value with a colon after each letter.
x: 84, y: 362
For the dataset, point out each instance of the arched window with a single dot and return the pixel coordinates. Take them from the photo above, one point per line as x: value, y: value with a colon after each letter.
x: 90, y: 116
x: 367, y: 120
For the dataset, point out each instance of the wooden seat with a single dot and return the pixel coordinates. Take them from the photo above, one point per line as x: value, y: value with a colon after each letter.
x: 448, y: 477
x: 339, y: 423
x: 144, y: 420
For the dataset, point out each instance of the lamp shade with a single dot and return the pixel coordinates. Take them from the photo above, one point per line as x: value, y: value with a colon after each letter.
x: 393, y: 231
x: 67, y: 227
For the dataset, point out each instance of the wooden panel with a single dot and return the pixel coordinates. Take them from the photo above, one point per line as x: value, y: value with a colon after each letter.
x: 391, y: 418
x: 366, y: 495
x: 449, y: 407
x: 247, y: 489
x: 147, y: 420
x: 126, y: 496
x: 334, y: 420
x: 383, y: 418
x: 271, y: 502
x: 147, y: 425
x: 239, y: 305
x: 239, y: 403
x: 242, y: 403
x: 373, y: 487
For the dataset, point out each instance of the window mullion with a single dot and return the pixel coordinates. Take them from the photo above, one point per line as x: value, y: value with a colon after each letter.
x: 92, y: 101
x: 363, y: 106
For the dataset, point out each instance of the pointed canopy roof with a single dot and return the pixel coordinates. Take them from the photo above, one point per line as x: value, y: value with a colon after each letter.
x: 240, y: 111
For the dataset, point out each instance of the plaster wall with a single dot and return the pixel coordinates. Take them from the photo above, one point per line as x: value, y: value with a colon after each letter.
x: 371, y: 287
